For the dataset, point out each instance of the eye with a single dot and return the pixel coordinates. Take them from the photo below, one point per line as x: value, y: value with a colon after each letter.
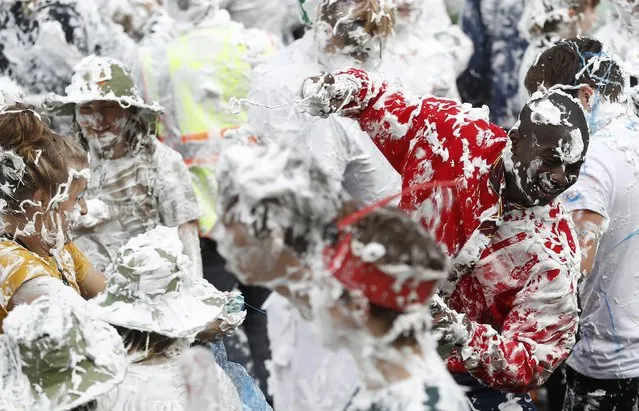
x: 82, y: 195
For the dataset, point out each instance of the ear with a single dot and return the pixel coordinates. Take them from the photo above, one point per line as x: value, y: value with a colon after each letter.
x: 584, y: 95
x: 515, y: 138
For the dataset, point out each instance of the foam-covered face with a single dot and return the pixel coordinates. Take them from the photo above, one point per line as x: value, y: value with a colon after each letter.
x: 53, y: 217
x: 340, y: 31
x: 408, y: 11
x: 587, y: 19
x: 102, y: 123
x: 628, y: 11
x: 544, y: 163
x: 254, y: 260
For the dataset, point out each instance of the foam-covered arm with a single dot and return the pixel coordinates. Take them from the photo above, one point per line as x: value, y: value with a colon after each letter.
x: 391, y: 117
x: 188, y: 233
x: 535, y: 338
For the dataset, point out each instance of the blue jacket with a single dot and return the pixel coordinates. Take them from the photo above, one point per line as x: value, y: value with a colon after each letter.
x: 492, y: 76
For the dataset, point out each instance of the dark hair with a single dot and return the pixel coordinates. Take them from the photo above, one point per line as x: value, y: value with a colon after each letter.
x: 405, y: 240
x: 140, y: 341
x: 47, y: 157
x: 561, y: 64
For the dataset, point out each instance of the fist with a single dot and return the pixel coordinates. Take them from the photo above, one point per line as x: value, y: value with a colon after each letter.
x: 324, y: 94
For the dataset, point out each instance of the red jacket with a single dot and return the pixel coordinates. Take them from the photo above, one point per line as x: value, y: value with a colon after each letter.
x: 521, y: 294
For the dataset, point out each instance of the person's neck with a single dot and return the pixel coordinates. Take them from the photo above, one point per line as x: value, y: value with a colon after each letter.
x: 391, y: 370
x: 32, y: 243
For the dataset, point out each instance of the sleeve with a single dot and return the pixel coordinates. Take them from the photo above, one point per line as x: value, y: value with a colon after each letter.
x: 18, y: 267
x: 536, y: 336
x: 81, y: 263
x: 594, y: 187
x: 393, y: 118
x: 177, y: 203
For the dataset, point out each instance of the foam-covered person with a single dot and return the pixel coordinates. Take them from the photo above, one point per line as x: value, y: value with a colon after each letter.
x: 275, y: 205
x: 424, y: 33
x: 42, y: 193
x: 55, y: 357
x: 137, y: 182
x: 620, y: 34
x: 160, y: 309
x: 546, y: 22
x: 514, y: 250
x: 343, y: 33
x: 601, y: 373
x: 385, y: 268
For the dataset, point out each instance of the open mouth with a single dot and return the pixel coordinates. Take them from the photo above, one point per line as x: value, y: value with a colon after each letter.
x: 99, y: 130
x: 549, y: 188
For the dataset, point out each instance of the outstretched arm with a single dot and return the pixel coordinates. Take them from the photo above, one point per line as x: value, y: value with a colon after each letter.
x: 392, y: 118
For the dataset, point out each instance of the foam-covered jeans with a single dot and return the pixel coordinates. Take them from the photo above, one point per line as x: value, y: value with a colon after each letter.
x: 484, y: 398
x: 250, y: 394
x: 591, y: 394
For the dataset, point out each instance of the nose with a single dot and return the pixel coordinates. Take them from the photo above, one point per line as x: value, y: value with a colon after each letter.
x: 559, y: 177
x: 83, y: 207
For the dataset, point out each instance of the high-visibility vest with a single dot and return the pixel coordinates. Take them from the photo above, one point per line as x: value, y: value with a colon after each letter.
x: 207, y: 66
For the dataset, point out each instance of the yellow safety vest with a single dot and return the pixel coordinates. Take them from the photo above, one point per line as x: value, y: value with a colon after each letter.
x: 201, y: 102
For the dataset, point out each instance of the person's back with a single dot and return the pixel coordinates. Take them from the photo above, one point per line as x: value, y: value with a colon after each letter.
x: 207, y: 65
x: 338, y: 144
x: 609, y: 339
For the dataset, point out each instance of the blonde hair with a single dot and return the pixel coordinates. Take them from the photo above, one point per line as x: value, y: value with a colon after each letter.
x: 32, y: 156
x: 378, y: 15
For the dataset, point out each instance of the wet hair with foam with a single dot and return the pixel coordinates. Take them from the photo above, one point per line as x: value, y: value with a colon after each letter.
x: 574, y: 62
x: 32, y: 156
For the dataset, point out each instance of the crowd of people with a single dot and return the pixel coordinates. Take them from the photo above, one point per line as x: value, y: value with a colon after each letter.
x: 358, y: 205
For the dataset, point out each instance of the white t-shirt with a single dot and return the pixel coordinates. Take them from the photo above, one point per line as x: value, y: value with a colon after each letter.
x: 431, y: 388
x: 159, y: 384
x: 304, y: 375
x: 338, y: 144
x: 608, y: 347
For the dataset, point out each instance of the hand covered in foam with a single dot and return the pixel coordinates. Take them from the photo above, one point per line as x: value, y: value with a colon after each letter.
x: 232, y: 317
x: 454, y: 329
x: 325, y: 94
